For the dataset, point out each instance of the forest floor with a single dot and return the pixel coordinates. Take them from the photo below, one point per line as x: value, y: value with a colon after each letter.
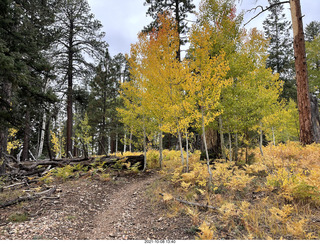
x: 88, y: 208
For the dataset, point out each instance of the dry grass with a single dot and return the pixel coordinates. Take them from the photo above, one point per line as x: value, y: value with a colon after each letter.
x: 276, y: 197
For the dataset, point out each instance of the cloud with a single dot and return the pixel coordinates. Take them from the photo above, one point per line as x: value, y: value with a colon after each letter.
x: 123, y: 19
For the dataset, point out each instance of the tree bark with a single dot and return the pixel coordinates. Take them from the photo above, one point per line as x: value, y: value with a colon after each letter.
x: 315, y: 118
x: 261, y: 140
x: 187, y: 150
x: 42, y: 133
x: 177, y: 17
x: 144, y: 147
x: 230, y: 147
x: 125, y: 143
x: 160, y: 150
x: 236, y: 148
x: 130, y: 140
x: 3, y: 149
x: 26, y: 136
x: 70, y: 88
x: 222, y: 139
x: 304, y: 105
x: 5, y: 95
x: 206, y: 148
x: 181, y: 149
x: 47, y: 133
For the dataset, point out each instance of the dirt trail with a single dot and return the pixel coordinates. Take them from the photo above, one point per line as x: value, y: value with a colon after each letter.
x: 91, y: 209
x: 119, y: 220
x: 130, y: 216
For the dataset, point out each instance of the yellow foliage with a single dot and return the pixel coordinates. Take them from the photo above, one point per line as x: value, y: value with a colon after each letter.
x: 282, y: 215
x: 197, y: 176
x: 207, y: 232
x: 228, y: 211
x: 55, y: 142
x: 58, y: 142
x: 194, y: 214
x: 239, y: 180
x: 12, y: 144
x: 298, y: 229
x: 167, y: 197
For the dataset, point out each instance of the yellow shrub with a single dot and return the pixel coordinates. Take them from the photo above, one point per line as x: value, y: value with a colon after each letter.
x: 207, y: 232
x: 197, y: 176
x: 12, y: 144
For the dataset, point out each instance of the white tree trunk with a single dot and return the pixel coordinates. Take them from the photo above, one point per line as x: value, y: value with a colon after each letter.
x: 222, y: 139
x: 125, y: 143
x: 130, y: 141
x: 230, y: 147
x: 206, y: 148
x: 180, y: 145
x: 144, y: 148
x: 43, y: 129
x: 261, y: 139
x: 187, y: 149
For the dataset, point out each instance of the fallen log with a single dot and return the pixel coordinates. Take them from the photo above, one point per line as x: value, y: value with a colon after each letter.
x: 109, y: 161
x: 28, y: 198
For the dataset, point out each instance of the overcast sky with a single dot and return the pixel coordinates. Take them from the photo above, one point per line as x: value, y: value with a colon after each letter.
x: 122, y: 20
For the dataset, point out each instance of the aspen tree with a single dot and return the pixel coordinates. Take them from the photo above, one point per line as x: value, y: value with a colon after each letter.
x: 207, y: 80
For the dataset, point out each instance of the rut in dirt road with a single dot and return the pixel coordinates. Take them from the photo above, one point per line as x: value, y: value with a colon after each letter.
x: 129, y: 215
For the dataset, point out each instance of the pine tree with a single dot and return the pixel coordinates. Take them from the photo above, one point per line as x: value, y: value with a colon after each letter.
x: 80, y: 35
x: 280, y: 60
x: 104, y: 99
x: 25, y: 36
x: 180, y: 10
x: 312, y: 31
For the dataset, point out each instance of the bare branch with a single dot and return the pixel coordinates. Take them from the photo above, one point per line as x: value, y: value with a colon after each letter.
x: 263, y: 10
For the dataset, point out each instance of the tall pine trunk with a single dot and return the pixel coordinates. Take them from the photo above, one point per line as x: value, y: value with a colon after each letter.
x: 26, y: 136
x: 5, y: 95
x: 70, y: 88
x: 47, y: 135
x: 304, y: 105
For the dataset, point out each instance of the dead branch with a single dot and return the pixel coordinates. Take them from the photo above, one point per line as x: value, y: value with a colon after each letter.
x: 11, y: 157
x: 29, y: 198
x: 12, y: 186
x: 193, y: 203
x: 263, y: 10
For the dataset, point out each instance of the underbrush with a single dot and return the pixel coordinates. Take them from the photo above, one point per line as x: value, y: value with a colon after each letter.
x: 275, y: 197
